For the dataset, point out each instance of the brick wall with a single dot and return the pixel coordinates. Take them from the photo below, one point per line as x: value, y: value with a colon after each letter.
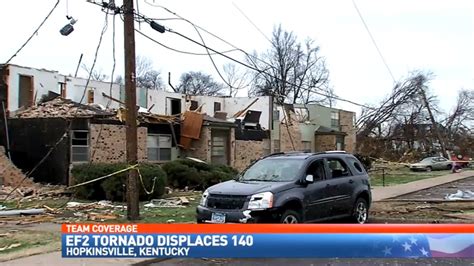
x: 346, y: 119
x: 111, y: 147
x: 10, y: 175
x: 325, y: 142
x: 200, y: 148
x: 290, y: 136
x: 246, y: 151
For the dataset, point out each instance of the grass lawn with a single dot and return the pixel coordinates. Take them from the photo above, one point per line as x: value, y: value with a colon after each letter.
x: 401, y: 175
x: 16, y: 241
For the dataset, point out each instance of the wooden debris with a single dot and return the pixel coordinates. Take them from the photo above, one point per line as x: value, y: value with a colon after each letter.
x: 184, y: 200
x: 14, y: 245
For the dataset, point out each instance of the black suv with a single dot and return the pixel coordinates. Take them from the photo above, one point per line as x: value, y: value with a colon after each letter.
x: 291, y: 188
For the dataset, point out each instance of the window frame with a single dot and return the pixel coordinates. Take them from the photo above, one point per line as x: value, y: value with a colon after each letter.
x: 158, y: 148
x: 80, y: 146
x: 343, y: 163
x: 335, y: 122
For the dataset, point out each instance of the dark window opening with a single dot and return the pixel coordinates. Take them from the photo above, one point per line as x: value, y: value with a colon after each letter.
x: 194, y: 105
x: 217, y: 107
x: 26, y: 91
x: 175, y: 106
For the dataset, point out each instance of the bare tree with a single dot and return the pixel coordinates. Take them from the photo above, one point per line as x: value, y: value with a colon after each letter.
x: 147, y: 77
x: 236, y: 78
x: 291, y: 72
x: 198, y: 83
x: 95, y: 74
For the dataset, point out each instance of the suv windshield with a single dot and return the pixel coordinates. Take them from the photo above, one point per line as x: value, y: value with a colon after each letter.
x: 273, y: 169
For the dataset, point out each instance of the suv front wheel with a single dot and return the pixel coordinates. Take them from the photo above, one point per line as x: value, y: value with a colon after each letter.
x: 290, y: 217
x: 361, y: 211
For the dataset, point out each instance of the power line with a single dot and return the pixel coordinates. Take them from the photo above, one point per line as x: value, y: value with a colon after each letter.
x: 251, y: 22
x: 176, y: 50
x: 34, y: 33
x: 373, y: 41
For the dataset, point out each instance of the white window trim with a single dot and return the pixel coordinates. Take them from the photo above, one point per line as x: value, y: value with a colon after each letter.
x: 82, y: 146
x: 158, y: 147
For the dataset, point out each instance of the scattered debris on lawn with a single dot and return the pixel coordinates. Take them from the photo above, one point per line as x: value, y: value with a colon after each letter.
x: 460, y: 195
x: 22, y: 212
x: 33, y: 192
x: 103, y: 204
x: 176, y: 202
x: 14, y: 245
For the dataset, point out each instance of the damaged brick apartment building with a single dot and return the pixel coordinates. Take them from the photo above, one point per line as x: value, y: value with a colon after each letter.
x: 44, y: 109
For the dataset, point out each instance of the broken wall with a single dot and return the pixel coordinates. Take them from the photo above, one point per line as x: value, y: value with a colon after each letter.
x: 31, y: 140
x: 10, y: 175
x: 200, y: 148
x: 111, y: 146
x: 290, y: 134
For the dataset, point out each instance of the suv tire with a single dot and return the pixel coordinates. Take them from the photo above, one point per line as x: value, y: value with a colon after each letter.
x: 360, y: 213
x: 290, y: 217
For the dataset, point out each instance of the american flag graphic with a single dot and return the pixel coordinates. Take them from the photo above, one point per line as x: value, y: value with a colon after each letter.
x: 451, y: 245
x: 427, y: 245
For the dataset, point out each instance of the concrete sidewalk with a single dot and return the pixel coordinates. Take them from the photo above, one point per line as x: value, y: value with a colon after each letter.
x: 381, y: 193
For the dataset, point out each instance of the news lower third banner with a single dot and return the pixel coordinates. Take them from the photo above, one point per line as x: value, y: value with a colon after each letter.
x: 267, y: 241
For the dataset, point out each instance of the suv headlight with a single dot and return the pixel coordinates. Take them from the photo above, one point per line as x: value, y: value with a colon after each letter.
x: 204, y: 196
x: 261, y: 201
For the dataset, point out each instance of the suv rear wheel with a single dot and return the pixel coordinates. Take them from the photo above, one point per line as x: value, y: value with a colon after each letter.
x: 290, y: 217
x: 361, y: 211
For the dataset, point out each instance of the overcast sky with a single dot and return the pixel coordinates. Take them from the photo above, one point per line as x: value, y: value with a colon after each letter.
x: 430, y: 35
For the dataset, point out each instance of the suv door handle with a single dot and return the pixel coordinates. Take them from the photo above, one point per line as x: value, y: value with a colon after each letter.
x: 351, y: 181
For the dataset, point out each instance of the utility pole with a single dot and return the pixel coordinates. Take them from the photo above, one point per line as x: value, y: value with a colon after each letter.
x: 133, y: 209
x: 434, y: 124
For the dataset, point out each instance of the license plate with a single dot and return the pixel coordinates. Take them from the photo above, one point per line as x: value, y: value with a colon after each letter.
x: 218, y: 218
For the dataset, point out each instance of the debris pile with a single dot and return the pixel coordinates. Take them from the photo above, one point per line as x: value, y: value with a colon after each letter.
x: 33, y: 192
x: 10, y: 175
x: 60, y: 107
x: 461, y: 195
x: 176, y: 202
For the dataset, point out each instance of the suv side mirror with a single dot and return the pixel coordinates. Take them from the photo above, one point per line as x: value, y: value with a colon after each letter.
x: 309, y: 179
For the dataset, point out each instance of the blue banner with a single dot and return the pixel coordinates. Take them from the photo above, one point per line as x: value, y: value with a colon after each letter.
x: 268, y: 245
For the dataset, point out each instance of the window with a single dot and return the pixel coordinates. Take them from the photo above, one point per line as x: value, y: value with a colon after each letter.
x: 79, y: 146
x: 62, y: 89
x: 174, y: 106
x: 25, y: 91
x: 276, y: 115
x: 90, y: 95
x: 306, y: 146
x: 317, y: 170
x: 338, y: 168
x: 220, y: 146
x: 276, y: 145
x: 194, y: 105
x: 359, y: 168
x: 159, y: 147
x: 217, y: 107
x: 334, y: 119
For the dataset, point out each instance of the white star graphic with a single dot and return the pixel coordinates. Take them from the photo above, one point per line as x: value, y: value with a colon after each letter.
x: 424, y: 252
x: 387, y: 251
x: 395, y: 238
x: 413, y: 240
x: 407, y: 246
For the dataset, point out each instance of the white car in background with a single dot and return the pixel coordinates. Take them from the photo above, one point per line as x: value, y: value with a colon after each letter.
x: 432, y: 163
